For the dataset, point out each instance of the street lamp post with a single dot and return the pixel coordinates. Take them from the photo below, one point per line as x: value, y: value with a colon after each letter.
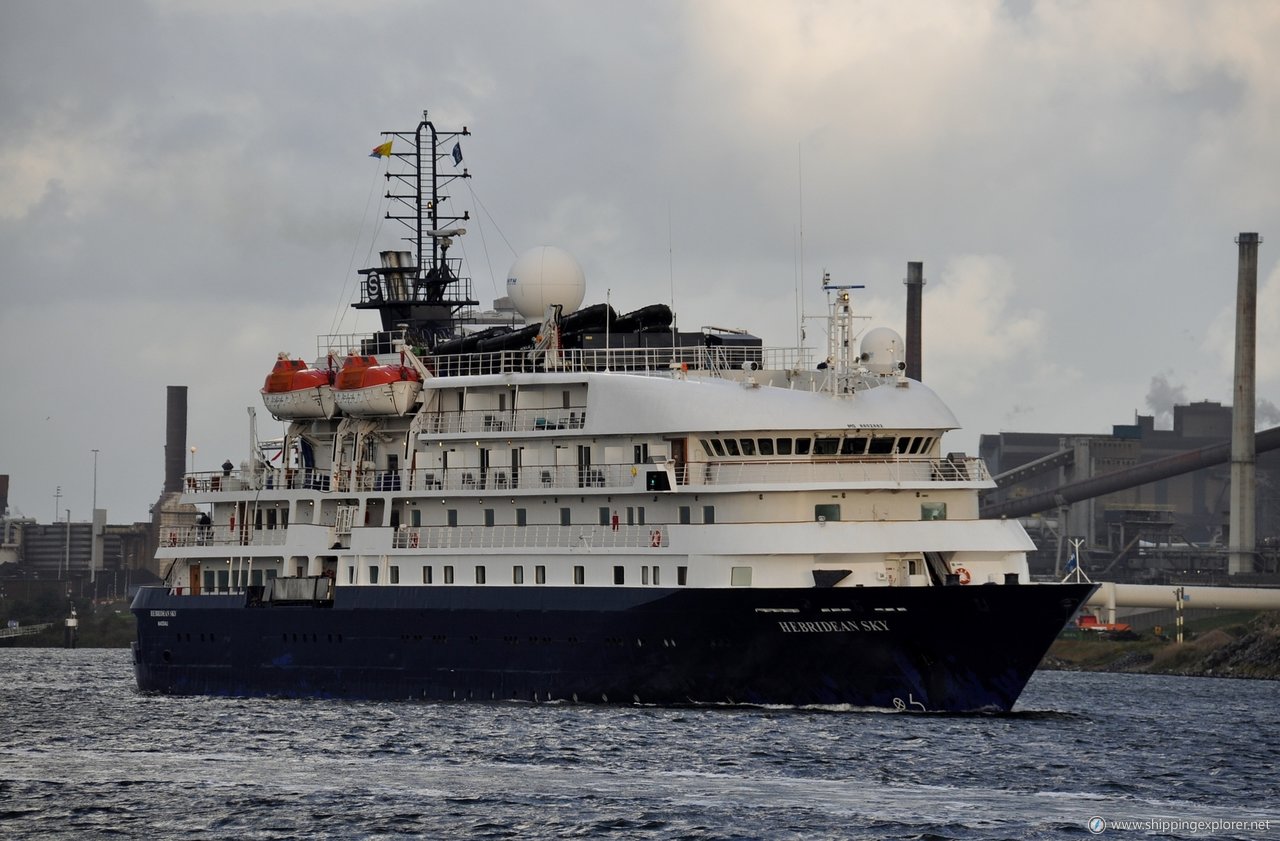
x: 93, y: 529
x: 67, y: 545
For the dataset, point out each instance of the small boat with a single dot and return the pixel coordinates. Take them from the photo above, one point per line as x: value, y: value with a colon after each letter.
x: 294, y: 390
x: 365, y: 387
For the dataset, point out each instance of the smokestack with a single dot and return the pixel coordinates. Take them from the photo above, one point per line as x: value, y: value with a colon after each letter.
x: 1243, y: 539
x: 175, y: 438
x: 915, y: 290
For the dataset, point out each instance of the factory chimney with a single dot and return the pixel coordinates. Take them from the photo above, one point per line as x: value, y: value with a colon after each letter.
x: 175, y: 438
x: 915, y: 289
x: 1243, y: 538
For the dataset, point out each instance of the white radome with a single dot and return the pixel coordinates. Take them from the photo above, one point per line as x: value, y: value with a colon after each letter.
x: 882, y: 349
x: 543, y: 276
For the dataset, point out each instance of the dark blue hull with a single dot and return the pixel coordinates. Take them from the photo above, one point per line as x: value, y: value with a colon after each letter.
x: 953, y: 649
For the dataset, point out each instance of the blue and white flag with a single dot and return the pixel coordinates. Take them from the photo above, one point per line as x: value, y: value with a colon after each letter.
x: 1072, y: 563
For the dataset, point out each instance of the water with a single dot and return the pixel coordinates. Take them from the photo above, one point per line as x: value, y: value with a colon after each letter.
x: 84, y: 755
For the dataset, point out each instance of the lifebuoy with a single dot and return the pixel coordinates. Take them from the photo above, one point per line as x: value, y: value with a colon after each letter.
x: 655, y: 538
x: 965, y: 578
x: 413, y: 540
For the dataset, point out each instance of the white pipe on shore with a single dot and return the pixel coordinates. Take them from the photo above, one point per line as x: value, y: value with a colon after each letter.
x: 1110, y: 595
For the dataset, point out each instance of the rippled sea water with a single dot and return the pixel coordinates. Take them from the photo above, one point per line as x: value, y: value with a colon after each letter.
x: 84, y: 755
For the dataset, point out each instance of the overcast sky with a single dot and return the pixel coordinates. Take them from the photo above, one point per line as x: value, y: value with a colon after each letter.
x: 185, y: 190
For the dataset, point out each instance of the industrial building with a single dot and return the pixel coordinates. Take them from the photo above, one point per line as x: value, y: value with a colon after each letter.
x: 1173, y: 526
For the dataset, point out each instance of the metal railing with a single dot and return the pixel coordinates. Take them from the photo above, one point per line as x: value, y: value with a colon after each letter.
x: 888, y: 471
x: 211, y: 535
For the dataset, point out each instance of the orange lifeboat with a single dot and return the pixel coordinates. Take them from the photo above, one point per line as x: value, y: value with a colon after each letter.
x: 295, y: 390
x: 364, y: 387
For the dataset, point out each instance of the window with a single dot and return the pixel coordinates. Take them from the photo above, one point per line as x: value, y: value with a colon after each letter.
x: 453, y: 517
x: 641, y: 452
x: 802, y: 446
x: 765, y: 446
x: 933, y: 511
x: 748, y: 446
x: 655, y: 576
x: 706, y: 448
x: 351, y: 575
x: 415, y: 517
x: 881, y: 445
x: 393, y: 575
x: 784, y: 446
x: 731, y: 445
x: 853, y: 446
x: 640, y: 516
x: 426, y: 575
x: 488, y: 517
x: 540, y: 574
x: 480, y: 575
x: 826, y: 513
x: 448, y: 574
x: 682, y: 576
x: 685, y: 517
x: 826, y: 446
x: 604, y: 516
x: 644, y: 575
x: 522, y: 518
x: 619, y: 575
x: 904, y: 444
x: 719, y: 448
x: 740, y: 577
x: 517, y: 575
x: 708, y: 513
x: 373, y: 574
x: 564, y: 516
x: 579, y: 575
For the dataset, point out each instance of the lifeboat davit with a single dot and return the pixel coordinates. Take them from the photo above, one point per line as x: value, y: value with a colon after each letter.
x: 363, y: 387
x: 295, y: 390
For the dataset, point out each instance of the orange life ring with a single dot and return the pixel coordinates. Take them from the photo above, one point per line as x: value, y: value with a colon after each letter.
x: 655, y: 538
x: 965, y: 578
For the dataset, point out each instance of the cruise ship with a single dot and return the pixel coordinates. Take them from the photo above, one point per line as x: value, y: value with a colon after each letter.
x: 585, y: 506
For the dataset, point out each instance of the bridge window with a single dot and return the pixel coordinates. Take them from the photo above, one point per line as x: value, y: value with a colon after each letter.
x: 732, y: 446
x: 881, y: 445
x: 826, y: 446
x: 748, y: 447
x: 802, y: 446
x: 765, y: 446
x: 784, y: 446
x: 853, y: 446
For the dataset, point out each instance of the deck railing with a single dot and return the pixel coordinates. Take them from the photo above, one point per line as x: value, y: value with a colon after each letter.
x: 531, y: 537
x: 886, y: 471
